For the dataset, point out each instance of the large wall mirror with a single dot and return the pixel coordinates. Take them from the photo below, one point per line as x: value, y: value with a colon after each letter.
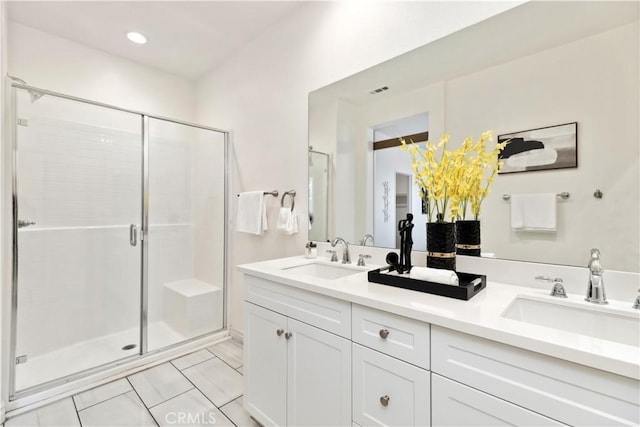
x: 537, y: 65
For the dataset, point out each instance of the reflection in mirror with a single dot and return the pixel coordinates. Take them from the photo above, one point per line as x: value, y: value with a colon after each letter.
x: 392, y: 175
x: 488, y: 76
x: 318, y: 195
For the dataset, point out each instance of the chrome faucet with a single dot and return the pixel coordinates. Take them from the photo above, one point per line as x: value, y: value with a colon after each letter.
x: 366, y: 237
x: 595, y: 289
x: 346, y: 258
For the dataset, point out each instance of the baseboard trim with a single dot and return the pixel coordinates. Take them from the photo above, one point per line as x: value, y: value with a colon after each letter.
x: 236, y: 335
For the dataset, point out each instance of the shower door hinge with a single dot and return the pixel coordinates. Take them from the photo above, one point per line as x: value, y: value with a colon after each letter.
x: 23, y: 122
x: 21, y: 359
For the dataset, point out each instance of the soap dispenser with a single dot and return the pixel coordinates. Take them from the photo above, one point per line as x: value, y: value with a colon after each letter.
x: 311, y: 250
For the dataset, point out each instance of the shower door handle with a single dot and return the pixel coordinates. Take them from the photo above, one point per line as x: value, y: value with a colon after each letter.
x: 25, y: 223
x: 133, y: 235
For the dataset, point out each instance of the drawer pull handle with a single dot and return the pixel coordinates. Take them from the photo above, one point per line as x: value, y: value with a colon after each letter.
x: 384, y: 400
x: 384, y: 333
x: 279, y: 332
x: 288, y: 335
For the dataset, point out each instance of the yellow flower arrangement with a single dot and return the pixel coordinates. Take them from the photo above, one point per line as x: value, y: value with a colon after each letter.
x: 454, y: 181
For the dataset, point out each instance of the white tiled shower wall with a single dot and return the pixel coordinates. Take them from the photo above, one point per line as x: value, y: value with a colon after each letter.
x: 76, y: 264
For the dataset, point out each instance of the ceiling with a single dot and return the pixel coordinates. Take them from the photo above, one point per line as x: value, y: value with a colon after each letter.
x: 185, y: 38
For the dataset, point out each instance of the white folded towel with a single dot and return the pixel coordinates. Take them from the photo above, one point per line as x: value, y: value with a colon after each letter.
x: 437, y: 275
x: 252, y: 213
x: 288, y: 221
x: 534, y: 212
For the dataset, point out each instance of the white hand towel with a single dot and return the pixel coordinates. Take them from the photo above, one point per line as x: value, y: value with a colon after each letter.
x: 446, y: 277
x: 534, y: 212
x: 252, y: 213
x: 288, y: 221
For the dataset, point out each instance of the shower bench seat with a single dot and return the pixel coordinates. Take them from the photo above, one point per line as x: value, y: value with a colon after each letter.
x: 191, y: 306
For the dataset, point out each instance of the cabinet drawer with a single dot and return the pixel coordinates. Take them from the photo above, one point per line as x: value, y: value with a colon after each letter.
x: 387, y: 391
x: 397, y: 336
x: 568, y: 392
x: 455, y: 404
x: 321, y: 311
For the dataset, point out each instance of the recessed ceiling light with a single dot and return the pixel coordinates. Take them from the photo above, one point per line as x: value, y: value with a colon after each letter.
x: 136, y: 37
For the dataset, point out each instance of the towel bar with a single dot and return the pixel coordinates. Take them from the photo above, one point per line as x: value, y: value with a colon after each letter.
x: 273, y: 193
x: 564, y: 196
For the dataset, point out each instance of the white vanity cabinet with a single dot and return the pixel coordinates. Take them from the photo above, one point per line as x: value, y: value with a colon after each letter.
x: 391, y: 382
x: 311, y: 359
x: 295, y: 373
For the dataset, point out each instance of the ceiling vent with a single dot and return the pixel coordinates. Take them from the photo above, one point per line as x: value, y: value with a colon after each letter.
x: 380, y: 89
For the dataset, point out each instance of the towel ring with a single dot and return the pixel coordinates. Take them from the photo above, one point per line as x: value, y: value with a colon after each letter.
x: 292, y: 194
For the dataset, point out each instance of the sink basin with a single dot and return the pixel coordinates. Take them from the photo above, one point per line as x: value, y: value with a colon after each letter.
x: 601, y: 322
x: 324, y: 271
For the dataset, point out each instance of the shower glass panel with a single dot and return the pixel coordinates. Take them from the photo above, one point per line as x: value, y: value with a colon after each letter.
x: 186, y: 260
x: 318, y: 196
x: 78, y: 185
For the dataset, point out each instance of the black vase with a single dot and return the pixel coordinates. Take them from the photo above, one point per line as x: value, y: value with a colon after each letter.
x: 441, y: 245
x: 468, y: 237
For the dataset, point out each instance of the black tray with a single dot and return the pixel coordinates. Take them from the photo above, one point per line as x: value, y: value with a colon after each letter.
x: 464, y: 291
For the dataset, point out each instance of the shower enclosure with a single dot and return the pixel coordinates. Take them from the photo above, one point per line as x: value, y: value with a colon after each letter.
x: 319, y: 164
x: 119, y: 236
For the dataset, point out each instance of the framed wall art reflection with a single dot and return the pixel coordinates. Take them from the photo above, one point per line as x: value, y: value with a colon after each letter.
x: 552, y: 147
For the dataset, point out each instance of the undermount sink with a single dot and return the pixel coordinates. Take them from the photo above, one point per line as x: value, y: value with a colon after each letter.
x: 324, y: 271
x: 597, y: 322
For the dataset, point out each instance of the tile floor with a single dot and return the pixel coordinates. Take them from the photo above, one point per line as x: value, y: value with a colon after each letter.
x: 203, y: 388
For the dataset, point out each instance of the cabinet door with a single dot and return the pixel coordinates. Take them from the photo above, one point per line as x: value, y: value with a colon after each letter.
x: 388, y: 391
x: 455, y: 404
x: 265, y: 365
x: 319, y: 377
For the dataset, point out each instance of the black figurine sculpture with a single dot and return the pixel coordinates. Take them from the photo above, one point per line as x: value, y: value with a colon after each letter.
x: 405, y: 228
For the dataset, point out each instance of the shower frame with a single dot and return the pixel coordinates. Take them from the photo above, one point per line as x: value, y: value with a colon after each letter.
x: 46, y: 389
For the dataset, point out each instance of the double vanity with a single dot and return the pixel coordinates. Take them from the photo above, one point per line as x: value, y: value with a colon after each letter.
x: 323, y: 346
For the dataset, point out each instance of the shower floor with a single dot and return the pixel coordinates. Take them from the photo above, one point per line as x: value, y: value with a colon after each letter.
x: 91, y: 353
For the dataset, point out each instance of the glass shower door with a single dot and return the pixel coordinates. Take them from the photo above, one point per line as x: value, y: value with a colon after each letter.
x: 186, y: 243
x: 78, y: 183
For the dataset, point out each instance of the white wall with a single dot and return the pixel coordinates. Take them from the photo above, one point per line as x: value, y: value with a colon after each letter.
x: 261, y: 93
x: 60, y: 65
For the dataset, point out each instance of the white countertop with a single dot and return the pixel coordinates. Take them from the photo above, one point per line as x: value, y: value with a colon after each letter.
x: 480, y: 316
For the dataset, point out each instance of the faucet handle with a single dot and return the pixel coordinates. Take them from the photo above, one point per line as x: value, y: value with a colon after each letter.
x: 558, y: 289
x: 334, y: 256
x: 361, y: 258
